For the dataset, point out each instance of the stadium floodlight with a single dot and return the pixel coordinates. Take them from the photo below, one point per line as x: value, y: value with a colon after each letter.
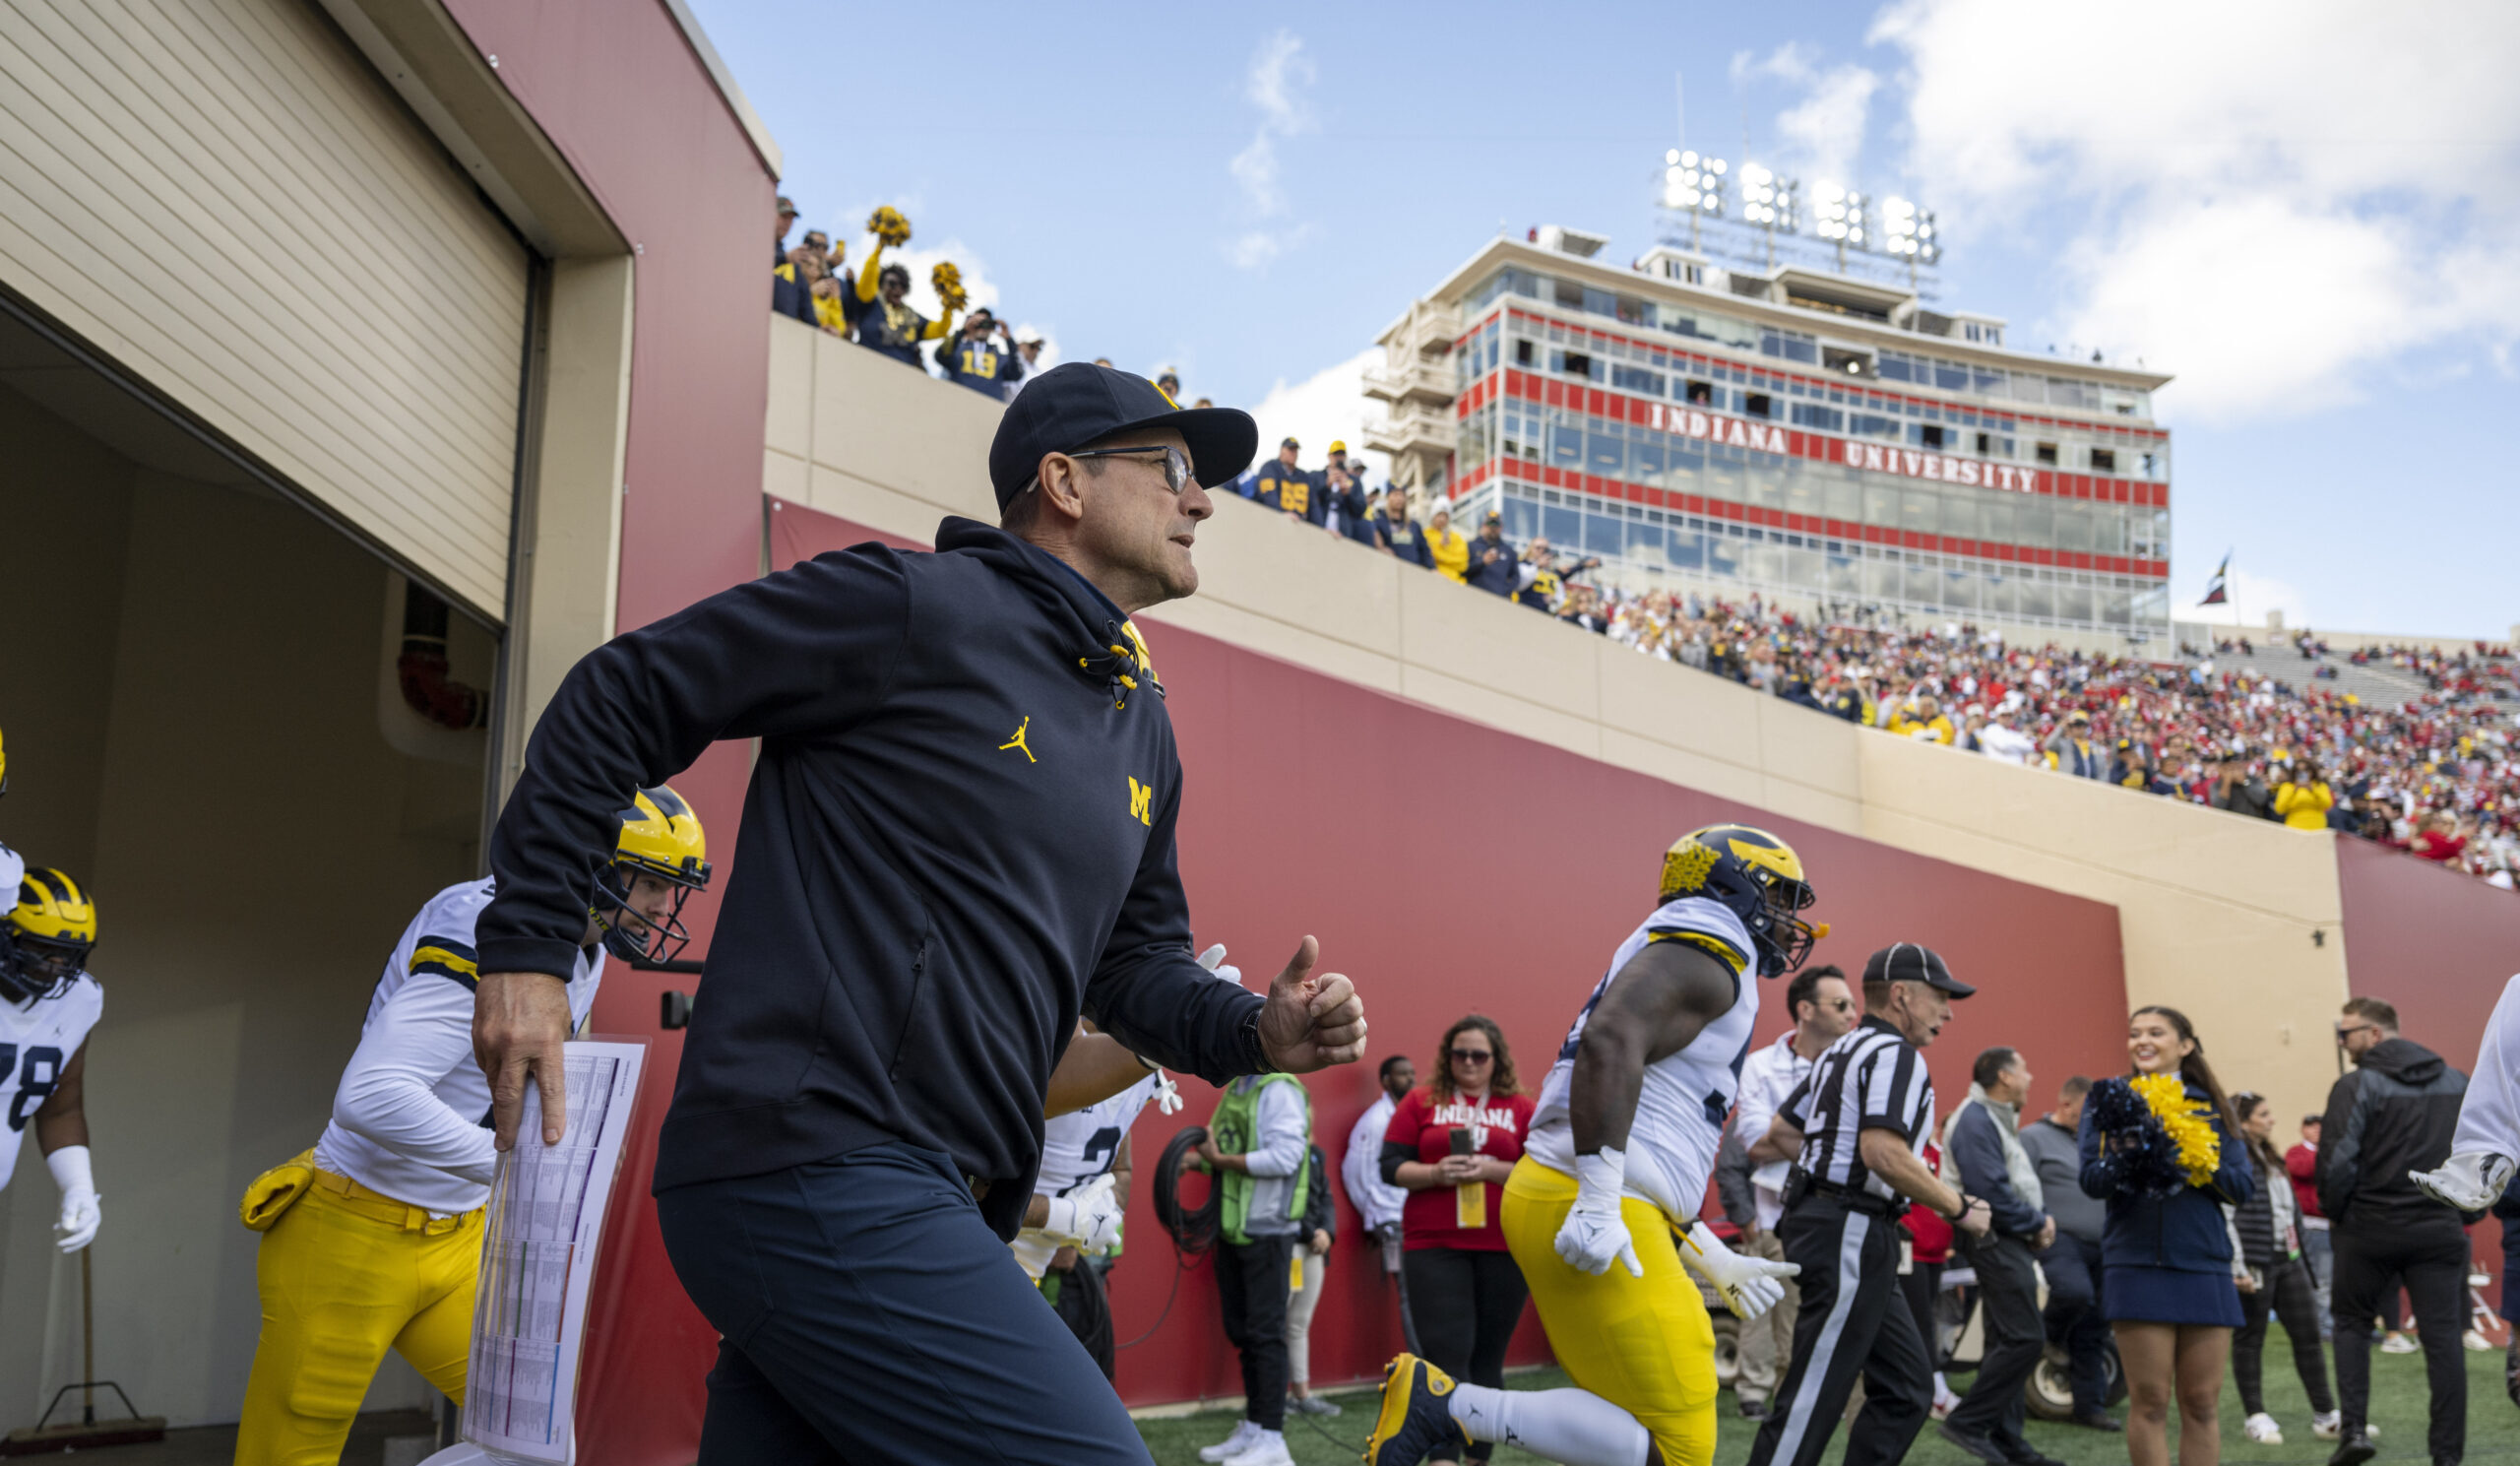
x: 1908, y: 232
x: 1671, y: 156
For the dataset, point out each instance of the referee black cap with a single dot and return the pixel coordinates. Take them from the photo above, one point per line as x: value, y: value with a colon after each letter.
x: 1078, y: 405
x: 1906, y: 962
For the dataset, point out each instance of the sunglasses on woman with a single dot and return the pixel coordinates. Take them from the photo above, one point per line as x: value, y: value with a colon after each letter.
x: 1472, y: 1057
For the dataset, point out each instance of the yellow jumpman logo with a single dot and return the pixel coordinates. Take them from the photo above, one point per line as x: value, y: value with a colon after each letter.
x: 1017, y: 743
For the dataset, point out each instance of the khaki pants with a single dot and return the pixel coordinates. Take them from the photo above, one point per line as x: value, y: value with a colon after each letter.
x: 1766, y: 1341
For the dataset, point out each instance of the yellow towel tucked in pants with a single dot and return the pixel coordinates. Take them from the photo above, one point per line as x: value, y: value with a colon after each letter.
x: 344, y: 1275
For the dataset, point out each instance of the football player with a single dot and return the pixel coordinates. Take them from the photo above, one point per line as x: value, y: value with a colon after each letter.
x: 1601, y: 1213
x: 1082, y: 1191
x: 47, y: 1004
x: 372, y: 1241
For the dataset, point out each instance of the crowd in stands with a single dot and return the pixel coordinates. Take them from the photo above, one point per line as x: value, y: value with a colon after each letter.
x: 2436, y: 775
x: 810, y: 283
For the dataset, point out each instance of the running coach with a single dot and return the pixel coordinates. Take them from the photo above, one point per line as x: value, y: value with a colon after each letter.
x: 959, y: 836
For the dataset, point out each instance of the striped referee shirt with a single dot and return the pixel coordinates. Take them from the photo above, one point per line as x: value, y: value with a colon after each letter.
x: 1871, y: 1079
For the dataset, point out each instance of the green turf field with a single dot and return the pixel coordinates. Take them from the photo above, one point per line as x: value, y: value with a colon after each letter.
x: 2397, y: 1408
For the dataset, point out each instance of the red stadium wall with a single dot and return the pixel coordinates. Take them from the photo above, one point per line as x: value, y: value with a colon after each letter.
x: 620, y: 94
x: 1450, y: 867
x: 2439, y: 946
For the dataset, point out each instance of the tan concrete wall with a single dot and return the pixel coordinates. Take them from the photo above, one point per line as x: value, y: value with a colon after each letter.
x: 2217, y: 914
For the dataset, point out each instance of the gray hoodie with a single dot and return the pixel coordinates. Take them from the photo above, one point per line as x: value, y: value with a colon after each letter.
x: 2054, y: 1150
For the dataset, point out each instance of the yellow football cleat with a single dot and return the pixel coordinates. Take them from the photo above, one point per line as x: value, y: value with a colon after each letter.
x: 1414, y: 1417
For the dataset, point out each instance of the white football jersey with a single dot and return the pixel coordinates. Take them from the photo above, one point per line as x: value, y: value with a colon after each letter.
x: 1077, y: 1148
x: 1681, y: 1110
x: 36, y: 1042
x: 13, y: 870
x: 418, y: 1102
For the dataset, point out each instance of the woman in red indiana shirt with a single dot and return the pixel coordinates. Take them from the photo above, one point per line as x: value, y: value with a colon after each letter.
x: 1465, y: 1293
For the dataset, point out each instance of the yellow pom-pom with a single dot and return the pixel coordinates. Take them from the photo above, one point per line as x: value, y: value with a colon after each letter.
x: 887, y: 224
x: 949, y: 285
x: 2200, y: 1148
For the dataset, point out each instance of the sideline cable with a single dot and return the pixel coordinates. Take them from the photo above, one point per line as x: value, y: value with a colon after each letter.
x: 1193, y: 1232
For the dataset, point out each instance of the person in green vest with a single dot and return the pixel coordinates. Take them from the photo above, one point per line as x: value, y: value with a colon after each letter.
x: 1256, y: 1147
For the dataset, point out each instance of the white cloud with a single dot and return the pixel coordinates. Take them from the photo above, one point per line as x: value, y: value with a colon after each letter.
x: 2272, y: 198
x: 1279, y: 71
x: 1280, y: 68
x: 1327, y: 407
x: 1821, y: 137
x: 1255, y: 168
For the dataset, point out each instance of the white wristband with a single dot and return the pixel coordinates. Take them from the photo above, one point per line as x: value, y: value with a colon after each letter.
x: 70, y: 1168
x: 1600, y: 1179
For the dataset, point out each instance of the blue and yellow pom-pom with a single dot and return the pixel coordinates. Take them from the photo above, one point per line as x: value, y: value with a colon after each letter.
x: 2199, y: 1147
x: 2138, y: 1148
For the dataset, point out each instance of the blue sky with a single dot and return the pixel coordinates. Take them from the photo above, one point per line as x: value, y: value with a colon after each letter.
x: 2303, y: 211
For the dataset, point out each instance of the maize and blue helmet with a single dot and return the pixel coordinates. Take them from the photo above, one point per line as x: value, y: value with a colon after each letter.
x: 1758, y: 878
x: 49, y: 933
x: 662, y: 837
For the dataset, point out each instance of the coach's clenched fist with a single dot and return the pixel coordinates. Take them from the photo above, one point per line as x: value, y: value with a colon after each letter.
x: 1311, y: 1022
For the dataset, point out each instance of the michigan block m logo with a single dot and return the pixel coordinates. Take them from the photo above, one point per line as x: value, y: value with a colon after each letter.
x: 1142, y: 801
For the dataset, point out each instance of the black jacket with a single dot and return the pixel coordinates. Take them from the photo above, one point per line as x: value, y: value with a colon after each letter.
x: 1320, y: 1213
x: 2394, y: 1113
x: 959, y: 835
x: 1500, y: 578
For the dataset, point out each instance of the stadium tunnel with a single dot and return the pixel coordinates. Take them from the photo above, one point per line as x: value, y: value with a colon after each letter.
x: 210, y: 729
x: 320, y: 425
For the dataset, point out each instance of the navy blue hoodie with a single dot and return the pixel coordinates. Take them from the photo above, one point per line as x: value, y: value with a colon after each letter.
x: 2182, y: 1231
x: 959, y: 835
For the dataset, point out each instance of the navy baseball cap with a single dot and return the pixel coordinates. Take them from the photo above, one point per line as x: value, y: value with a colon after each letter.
x: 1078, y: 405
x: 1906, y: 962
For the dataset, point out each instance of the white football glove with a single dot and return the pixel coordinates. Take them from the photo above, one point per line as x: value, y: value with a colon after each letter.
x: 80, y: 1218
x: 1213, y: 959
x: 1087, y: 1219
x: 2470, y: 1182
x: 1749, y: 1286
x: 1167, y: 1095
x: 1594, y: 1235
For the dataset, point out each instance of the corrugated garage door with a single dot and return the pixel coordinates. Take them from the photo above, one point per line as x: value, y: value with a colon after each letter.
x: 219, y: 194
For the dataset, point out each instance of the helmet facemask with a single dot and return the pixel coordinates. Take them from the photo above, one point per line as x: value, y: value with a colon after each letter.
x: 1784, y: 940
x: 627, y: 934
x: 36, y: 967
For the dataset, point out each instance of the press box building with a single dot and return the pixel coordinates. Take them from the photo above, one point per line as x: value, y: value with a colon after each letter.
x: 1812, y: 436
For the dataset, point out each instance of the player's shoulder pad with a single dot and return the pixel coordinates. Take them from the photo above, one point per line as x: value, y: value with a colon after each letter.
x: 1722, y: 947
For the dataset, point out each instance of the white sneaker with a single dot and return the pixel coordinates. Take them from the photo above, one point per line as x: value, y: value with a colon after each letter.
x: 2327, y: 1426
x: 2476, y: 1342
x: 1267, y: 1448
x: 1234, y: 1445
x: 2262, y: 1429
x: 2400, y: 1343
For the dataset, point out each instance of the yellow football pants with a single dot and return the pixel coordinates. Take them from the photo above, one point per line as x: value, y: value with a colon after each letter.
x: 344, y: 1275
x: 1644, y: 1344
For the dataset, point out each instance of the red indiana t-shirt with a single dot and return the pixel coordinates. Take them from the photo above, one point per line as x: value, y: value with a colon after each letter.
x: 1432, y: 1218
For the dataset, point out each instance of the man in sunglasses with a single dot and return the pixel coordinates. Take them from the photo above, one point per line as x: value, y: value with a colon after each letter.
x: 959, y: 838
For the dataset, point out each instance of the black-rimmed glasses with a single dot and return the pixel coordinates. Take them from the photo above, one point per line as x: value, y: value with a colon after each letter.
x: 1176, y: 464
x: 1472, y: 1057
